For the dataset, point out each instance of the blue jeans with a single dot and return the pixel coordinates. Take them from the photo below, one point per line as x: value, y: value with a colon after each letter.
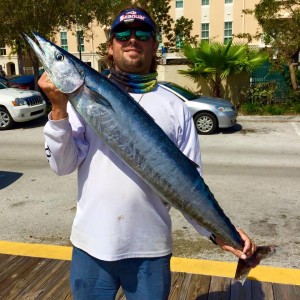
x: 140, y: 278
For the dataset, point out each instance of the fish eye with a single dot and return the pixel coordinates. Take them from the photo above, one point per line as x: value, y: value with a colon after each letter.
x: 58, y: 56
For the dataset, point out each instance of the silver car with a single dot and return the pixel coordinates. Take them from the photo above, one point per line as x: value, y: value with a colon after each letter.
x: 209, y: 113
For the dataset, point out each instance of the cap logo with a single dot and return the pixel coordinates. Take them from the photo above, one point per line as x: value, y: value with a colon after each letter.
x: 130, y: 16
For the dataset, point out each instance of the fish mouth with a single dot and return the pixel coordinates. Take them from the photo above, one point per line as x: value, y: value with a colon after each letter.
x: 63, y: 70
x: 38, y: 49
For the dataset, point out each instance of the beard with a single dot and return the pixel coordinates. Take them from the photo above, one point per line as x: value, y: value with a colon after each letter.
x: 133, y: 64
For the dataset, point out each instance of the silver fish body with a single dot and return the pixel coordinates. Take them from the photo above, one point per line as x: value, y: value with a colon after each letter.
x: 133, y: 135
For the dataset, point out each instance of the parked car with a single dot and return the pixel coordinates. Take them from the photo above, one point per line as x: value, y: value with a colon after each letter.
x: 24, y: 82
x: 3, y: 79
x: 209, y: 113
x: 19, y: 106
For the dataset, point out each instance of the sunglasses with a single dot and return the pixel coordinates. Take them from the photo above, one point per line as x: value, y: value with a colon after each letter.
x: 141, y: 35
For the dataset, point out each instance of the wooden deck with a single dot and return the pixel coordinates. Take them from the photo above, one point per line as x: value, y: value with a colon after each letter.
x: 31, y: 278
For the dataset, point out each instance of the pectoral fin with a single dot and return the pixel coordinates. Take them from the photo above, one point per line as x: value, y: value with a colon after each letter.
x: 95, y: 96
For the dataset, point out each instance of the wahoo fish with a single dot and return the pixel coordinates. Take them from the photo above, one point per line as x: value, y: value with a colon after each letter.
x: 132, y: 134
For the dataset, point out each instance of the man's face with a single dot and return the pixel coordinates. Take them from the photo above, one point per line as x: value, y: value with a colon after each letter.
x: 133, y: 55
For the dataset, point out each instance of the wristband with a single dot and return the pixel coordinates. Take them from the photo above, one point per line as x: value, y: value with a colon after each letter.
x: 213, y: 238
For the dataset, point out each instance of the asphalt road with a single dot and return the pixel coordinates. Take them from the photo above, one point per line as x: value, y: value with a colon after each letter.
x: 253, y: 170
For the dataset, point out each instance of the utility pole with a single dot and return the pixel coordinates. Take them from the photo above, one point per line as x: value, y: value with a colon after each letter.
x: 79, y: 33
x: 79, y: 42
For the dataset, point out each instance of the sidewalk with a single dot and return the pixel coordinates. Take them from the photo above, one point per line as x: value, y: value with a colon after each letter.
x: 287, y: 118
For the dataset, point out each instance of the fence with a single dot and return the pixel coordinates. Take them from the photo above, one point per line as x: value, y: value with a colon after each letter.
x: 271, y: 80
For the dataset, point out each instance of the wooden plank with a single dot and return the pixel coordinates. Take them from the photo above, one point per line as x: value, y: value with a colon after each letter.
x: 184, y: 286
x: 297, y: 291
x: 64, y: 290
x: 176, y: 285
x: 40, y: 282
x: 13, y: 272
x: 28, y: 278
x: 5, y: 260
x: 51, y: 288
x: 199, y: 287
x: 9, y: 267
x: 58, y: 290
x: 286, y: 292
x: 219, y: 288
x: 241, y: 291
x: 262, y: 290
x: 34, y: 268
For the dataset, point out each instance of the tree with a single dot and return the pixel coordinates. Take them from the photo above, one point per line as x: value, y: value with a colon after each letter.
x: 216, y: 62
x: 44, y: 17
x: 280, y: 21
x: 15, y: 16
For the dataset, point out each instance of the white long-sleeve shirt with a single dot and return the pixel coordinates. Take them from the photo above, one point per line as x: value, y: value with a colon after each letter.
x: 118, y: 215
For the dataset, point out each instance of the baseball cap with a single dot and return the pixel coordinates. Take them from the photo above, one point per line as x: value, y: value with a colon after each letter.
x: 131, y: 15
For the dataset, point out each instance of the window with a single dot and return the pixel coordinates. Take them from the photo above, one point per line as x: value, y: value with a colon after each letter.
x: 179, y: 4
x: 228, y: 1
x: 205, y: 31
x: 80, y: 41
x: 205, y: 2
x: 227, y: 32
x: 2, y: 50
x: 64, y: 40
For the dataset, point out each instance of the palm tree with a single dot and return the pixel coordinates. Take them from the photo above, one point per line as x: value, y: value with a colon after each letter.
x: 216, y: 62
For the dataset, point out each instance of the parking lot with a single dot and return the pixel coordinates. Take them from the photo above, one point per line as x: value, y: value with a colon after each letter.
x: 253, y: 170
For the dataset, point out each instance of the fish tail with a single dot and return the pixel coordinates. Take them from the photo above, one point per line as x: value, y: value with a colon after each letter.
x: 245, y: 265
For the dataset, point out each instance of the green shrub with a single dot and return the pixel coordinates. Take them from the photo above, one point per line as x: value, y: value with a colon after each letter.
x: 275, y: 109
x: 263, y: 99
x: 262, y: 93
x: 296, y: 108
x: 250, y: 108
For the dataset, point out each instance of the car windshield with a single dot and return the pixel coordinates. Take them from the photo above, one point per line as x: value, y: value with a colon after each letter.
x: 182, y: 91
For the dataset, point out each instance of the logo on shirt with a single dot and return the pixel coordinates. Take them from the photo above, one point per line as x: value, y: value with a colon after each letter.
x: 48, y: 151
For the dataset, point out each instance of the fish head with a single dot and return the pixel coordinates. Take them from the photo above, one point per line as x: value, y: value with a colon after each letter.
x: 62, y: 70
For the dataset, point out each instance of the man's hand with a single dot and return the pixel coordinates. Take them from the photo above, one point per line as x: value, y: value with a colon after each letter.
x: 58, y: 99
x: 248, y: 250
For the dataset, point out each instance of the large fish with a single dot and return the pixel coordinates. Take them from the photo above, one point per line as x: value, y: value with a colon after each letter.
x: 133, y: 135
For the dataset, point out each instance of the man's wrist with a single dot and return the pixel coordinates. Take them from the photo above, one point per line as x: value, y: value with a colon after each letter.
x: 56, y: 116
x: 59, y: 113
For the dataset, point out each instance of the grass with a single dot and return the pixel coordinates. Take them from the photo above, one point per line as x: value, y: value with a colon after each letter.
x: 276, y: 109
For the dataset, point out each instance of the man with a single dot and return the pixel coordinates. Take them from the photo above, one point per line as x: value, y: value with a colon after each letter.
x: 121, y: 233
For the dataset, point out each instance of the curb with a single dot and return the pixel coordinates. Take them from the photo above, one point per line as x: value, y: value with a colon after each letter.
x: 288, y: 118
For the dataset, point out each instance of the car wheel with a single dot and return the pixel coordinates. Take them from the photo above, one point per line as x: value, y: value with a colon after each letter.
x: 206, y: 123
x: 6, y: 121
